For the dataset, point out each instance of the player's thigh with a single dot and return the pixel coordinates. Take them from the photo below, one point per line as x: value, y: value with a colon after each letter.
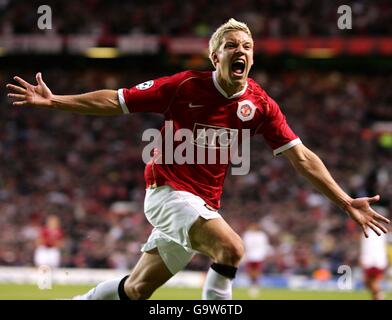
x: 214, y: 237
x: 150, y: 271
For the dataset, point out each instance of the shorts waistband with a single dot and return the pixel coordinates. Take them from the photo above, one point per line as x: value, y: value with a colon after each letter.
x: 155, y: 184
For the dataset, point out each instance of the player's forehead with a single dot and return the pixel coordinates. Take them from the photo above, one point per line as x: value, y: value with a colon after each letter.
x: 236, y: 36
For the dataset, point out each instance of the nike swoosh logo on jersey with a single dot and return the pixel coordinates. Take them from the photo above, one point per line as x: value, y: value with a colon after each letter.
x: 191, y: 105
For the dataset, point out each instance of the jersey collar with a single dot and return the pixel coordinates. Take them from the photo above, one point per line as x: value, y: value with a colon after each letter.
x: 223, y: 92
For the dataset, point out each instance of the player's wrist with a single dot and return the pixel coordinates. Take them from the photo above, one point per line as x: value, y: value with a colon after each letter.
x: 54, y: 101
x: 346, y: 203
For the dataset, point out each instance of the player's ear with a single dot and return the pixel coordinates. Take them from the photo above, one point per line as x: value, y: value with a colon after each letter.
x: 214, y: 58
x: 253, y: 61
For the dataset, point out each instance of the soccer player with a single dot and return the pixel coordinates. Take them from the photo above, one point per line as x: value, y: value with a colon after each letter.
x: 182, y: 199
x: 257, y: 248
x: 49, y: 244
x: 374, y: 261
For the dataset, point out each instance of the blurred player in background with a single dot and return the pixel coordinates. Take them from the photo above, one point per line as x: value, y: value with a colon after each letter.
x: 182, y: 200
x: 257, y: 248
x: 49, y: 243
x: 374, y: 261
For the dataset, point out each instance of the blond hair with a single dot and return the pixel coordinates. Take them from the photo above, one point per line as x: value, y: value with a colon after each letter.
x: 217, y: 36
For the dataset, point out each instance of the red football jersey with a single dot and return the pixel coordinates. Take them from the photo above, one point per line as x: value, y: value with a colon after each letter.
x: 51, y: 237
x: 195, y: 101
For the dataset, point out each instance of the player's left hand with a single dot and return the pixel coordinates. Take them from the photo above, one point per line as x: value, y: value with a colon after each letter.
x: 362, y: 213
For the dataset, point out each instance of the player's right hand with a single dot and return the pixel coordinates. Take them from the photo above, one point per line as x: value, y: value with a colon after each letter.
x: 29, y: 95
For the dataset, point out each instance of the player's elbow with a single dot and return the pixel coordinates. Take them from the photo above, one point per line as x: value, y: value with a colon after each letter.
x: 305, y: 161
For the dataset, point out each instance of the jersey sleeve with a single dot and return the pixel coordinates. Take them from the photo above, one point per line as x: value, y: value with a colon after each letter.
x: 276, y: 130
x: 150, y: 96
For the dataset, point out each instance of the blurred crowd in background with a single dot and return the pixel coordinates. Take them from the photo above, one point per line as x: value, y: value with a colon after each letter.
x: 88, y: 171
x: 278, y: 18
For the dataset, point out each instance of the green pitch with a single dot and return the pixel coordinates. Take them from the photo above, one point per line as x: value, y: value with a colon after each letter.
x: 32, y: 292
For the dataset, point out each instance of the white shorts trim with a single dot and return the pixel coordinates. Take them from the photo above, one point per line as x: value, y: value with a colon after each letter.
x: 172, y: 213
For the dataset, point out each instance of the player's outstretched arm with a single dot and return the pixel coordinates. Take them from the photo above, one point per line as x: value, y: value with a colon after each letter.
x: 101, y: 102
x: 309, y: 165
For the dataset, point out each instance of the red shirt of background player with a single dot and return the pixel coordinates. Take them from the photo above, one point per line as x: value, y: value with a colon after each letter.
x: 51, y: 237
x: 192, y: 100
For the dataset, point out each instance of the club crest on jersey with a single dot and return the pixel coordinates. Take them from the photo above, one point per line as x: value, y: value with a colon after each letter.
x: 246, y: 110
x: 145, y: 85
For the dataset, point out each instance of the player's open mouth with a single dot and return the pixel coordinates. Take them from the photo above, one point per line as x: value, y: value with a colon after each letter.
x: 238, y: 67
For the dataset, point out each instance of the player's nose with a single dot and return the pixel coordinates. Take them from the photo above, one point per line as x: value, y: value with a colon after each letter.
x: 240, y: 50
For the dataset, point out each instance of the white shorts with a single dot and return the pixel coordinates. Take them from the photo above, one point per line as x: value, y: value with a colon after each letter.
x: 172, y: 213
x: 45, y: 256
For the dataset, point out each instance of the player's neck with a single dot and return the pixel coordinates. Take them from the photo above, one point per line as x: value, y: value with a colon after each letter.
x: 229, y: 87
